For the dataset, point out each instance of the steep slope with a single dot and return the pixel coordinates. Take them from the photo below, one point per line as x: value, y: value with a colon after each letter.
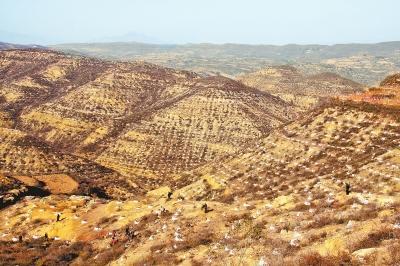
x: 387, y: 94
x: 281, y: 201
x: 29, y: 162
x: 335, y: 142
x: 391, y: 81
x: 218, y: 117
x: 29, y: 78
x: 291, y: 85
x: 121, y: 94
x: 139, y: 119
x: 295, y: 180
x: 235, y: 182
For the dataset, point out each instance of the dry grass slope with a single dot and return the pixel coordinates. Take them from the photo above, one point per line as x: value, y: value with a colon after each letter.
x: 235, y: 182
x: 146, y: 122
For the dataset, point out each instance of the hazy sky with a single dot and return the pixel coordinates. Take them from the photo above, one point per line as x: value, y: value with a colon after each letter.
x: 217, y: 21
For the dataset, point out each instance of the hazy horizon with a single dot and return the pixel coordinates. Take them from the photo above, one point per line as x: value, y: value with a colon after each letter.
x: 182, y: 22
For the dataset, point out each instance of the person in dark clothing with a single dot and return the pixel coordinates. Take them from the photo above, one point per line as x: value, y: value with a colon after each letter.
x: 169, y: 195
x: 348, y: 188
x: 205, y: 207
x: 58, y: 217
x: 127, y: 232
x: 130, y: 234
x: 46, y: 236
x: 20, y: 239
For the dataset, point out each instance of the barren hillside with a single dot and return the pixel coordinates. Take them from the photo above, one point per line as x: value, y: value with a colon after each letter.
x: 135, y: 164
x: 44, y: 170
x: 146, y: 122
x: 291, y: 85
x: 322, y: 190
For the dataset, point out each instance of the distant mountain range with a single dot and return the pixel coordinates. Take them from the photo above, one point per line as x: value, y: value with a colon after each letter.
x: 129, y: 37
x: 7, y: 46
x: 364, y: 63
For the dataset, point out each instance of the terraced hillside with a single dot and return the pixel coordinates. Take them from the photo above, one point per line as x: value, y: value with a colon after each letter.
x: 323, y: 190
x: 219, y: 117
x: 387, y: 94
x: 32, y: 167
x: 141, y: 120
x: 110, y: 163
x: 29, y: 78
x: 291, y: 85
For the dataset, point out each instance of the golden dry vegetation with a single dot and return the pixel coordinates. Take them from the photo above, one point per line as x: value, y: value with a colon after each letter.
x: 282, y: 201
x: 198, y: 171
x: 143, y: 121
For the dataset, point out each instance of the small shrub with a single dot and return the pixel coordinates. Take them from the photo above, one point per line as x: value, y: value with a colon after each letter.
x: 315, y: 259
